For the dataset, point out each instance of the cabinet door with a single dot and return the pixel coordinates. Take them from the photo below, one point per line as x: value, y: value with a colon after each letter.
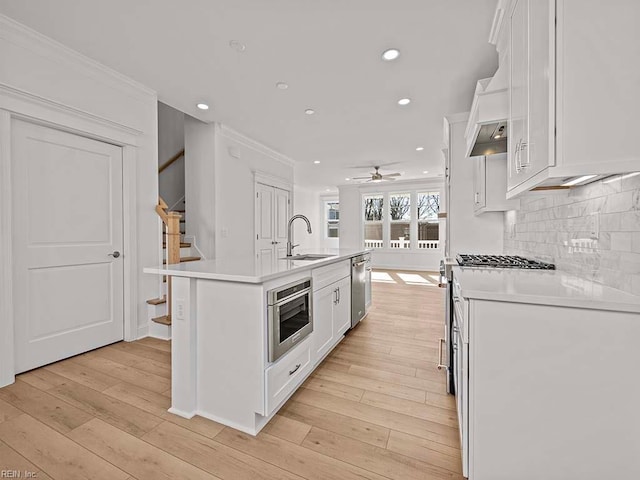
x: 323, y: 305
x: 479, y: 183
x: 537, y: 153
x: 342, y: 308
x: 518, y: 94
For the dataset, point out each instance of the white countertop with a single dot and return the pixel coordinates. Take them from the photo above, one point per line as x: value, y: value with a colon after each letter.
x: 544, y: 287
x: 248, y: 269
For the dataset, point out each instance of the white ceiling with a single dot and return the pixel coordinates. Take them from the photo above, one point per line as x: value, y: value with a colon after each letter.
x: 328, y: 51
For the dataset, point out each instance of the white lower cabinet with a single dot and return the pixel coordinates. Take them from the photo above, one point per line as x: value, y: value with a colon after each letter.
x: 539, y: 396
x: 331, y: 316
x: 284, y: 376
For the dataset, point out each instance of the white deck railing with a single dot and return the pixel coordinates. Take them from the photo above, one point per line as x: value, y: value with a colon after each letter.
x: 402, y: 243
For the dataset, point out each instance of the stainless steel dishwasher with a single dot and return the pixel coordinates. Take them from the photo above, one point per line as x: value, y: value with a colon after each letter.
x: 358, y: 288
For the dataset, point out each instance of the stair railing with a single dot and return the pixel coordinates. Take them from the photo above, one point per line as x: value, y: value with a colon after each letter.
x: 172, y: 223
x: 169, y: 162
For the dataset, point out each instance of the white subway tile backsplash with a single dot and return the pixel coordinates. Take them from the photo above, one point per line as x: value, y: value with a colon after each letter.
x: 592, y: 231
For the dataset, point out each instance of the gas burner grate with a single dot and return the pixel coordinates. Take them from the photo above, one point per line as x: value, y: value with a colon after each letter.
x: 502, y: 261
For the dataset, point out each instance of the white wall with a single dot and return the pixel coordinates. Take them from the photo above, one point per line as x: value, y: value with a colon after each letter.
x: 200, y: 183
x: 238, y: 158
x: 221, y: 167
x: 352, y: 231
x: 40, y: 78
x: 170, y: 141
x: 558, y: 227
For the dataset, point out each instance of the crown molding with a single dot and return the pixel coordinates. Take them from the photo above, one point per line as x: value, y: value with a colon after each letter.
x: 242, y: 139
x: 29, y: 105
x: 25, y: 37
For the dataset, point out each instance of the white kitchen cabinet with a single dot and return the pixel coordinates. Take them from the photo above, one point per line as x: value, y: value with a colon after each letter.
x: 342, y: 309
x: 323, y: 303
x: 331, y: 306
x: 537, y: 394
x: 570, y: 74
x: 331, y: 316
x: 490, y: 184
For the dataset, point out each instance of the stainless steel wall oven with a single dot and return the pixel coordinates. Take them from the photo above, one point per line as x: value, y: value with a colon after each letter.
x: 290, y: 317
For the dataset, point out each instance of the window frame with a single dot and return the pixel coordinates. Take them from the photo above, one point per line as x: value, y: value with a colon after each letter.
x: 414, y: 221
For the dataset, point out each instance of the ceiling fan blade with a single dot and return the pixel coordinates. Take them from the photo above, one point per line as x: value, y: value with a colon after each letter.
x: 373, y: 165
x: 361, y: 178
x: 388, y: 179
x: 392, y: 174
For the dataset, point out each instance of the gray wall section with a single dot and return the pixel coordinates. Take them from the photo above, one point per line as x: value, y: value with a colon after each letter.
x: 171, y: 182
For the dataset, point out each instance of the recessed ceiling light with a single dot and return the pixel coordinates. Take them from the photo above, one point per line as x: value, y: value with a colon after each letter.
x: 237, y: 46
x: 309, y: 111
x: 390, y: 54
x: 328, y: 189
x: 419, y: 149
x: 282, y: 85
x: 425, y: 171
x: 203, y: 106
x: 498, y: 136
x: 347, y: 179
x: 316, y: 161
x: 404, y: 101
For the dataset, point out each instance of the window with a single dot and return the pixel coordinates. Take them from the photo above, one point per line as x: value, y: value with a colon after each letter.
x: 373, y: 221
x: 428, y: 227
x: 402, y: 221
x: 400, y: 225
x: 332, y: 218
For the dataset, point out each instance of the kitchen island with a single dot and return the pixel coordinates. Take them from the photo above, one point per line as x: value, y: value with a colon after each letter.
x: 222, y: 362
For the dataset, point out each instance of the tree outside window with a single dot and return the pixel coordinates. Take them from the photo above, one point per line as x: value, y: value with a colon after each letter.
x: 428, y: 204
x: 373, y: 216
x: 400, y: 216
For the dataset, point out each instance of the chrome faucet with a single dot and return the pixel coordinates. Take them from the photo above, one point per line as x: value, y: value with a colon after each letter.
x: 290, y: 246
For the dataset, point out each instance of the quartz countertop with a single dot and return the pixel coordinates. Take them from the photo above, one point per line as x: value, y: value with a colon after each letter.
x: 544, y: 287
x: 249, y: 270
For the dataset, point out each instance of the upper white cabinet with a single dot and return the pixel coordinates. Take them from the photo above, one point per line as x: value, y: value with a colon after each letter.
x: 573, y: 68
x: 490, y: 184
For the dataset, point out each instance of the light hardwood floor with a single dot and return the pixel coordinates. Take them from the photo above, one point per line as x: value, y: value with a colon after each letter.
x: 376, y: 408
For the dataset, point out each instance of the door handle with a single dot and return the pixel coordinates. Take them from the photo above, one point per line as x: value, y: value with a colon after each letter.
x: 440, y: 364
x: 115, y: 254
x: 291, y: 372
x: 338, y: 294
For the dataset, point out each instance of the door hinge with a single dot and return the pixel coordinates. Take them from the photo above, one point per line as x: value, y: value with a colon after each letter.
x: 257, y: 195
x: 257, y: 236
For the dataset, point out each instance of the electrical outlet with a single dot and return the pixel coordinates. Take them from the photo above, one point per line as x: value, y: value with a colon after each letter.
x: 180, y: 307
x: 594, y: 226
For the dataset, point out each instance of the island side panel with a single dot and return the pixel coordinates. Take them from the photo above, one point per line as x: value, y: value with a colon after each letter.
x: 183, y: 347
x: 553, y: 392
x: 231, y: 345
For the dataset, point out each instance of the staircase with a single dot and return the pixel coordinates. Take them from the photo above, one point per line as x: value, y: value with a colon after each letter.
x: 176, y: 249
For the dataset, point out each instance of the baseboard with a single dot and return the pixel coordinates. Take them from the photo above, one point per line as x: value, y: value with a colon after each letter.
x: 143, y: 331
x: 180, y: 413
x: 163, y: 332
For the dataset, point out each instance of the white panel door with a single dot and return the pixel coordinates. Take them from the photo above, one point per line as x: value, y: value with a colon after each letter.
x: 67, y: 220
x: 281, y: 220
x: 272, y: 215
x: 265, y: 250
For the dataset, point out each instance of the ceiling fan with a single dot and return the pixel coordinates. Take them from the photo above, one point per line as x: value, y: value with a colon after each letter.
x: 378, y: 177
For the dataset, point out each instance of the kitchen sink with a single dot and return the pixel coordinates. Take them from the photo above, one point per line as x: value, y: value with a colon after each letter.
x: 309, y: 256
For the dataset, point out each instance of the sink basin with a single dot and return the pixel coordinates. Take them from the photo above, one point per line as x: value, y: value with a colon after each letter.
x: 309, y: 256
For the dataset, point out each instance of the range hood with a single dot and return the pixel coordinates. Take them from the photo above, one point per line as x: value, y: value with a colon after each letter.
x: 486, y: 132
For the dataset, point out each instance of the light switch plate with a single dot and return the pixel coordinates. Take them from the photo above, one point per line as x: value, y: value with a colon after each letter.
x: 180, y: 307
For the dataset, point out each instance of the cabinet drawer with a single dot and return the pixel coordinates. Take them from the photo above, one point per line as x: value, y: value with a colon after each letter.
x: 283, y: 377
x: 324, y: 276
